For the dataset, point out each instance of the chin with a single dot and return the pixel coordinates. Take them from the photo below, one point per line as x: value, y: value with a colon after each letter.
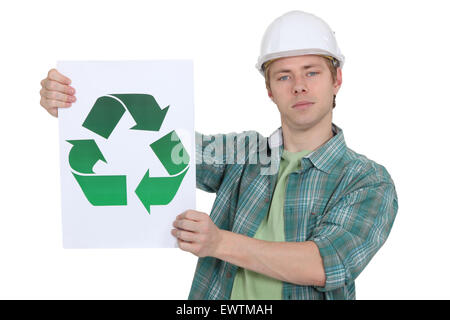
x: 305, y: 122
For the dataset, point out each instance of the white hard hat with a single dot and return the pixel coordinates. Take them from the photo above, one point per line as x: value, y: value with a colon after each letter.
x: 298, y: 33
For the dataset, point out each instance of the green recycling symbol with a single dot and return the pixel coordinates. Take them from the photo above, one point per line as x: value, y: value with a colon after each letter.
x: 111, y: 190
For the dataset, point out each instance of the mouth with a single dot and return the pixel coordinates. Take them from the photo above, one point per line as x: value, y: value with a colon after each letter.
x: 302, y: 105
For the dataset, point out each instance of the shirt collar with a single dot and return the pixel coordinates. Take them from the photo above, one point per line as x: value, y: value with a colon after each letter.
x: 324, y: 158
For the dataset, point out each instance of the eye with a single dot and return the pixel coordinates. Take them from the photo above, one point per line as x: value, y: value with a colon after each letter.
x: 313, y: 72
x: 283, y: 78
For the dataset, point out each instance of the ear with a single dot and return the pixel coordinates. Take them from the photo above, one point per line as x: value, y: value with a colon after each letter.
x: 338, y: 83
x: 269, y: 93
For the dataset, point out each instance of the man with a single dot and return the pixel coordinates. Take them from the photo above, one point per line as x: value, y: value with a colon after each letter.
x: 305, y: 218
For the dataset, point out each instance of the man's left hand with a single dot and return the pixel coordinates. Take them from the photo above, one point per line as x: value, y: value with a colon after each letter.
x: 196, y: 233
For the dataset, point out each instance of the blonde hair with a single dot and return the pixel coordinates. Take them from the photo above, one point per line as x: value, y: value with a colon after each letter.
x: 331, y: 62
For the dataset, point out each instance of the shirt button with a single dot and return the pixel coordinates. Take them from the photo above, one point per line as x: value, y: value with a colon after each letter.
x: 267, y: 199
x: 228, y: 274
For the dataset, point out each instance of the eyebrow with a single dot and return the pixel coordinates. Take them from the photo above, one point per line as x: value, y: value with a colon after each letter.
x: 309, y: 66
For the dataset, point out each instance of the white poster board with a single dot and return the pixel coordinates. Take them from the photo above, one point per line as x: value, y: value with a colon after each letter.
x: 127, y: 152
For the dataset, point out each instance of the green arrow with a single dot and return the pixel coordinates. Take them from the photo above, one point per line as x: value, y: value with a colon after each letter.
x: 145, y: 111
x: 104, y: 190
x: 171, y: 153
x: 84, y: 155
x: 158, y: 190
x: 104, y: 116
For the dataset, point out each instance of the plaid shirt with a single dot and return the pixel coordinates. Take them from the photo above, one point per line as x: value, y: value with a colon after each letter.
x: 341, y: 200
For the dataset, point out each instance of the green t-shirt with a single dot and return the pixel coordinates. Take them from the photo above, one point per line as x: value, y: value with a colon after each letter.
x: 251, y: 285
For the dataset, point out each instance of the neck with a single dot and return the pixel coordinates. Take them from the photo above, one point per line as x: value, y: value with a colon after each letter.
x: 300, y: 139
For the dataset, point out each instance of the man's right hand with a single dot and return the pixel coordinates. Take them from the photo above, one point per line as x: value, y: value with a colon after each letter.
x: 56, y: 92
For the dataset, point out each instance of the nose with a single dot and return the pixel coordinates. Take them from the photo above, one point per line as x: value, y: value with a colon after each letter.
x: 299, y: 86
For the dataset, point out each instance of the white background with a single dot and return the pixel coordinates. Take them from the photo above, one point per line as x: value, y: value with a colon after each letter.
x: 393, y: 107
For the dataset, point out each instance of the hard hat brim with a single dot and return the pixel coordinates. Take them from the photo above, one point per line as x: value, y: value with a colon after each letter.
x: 293, y: 53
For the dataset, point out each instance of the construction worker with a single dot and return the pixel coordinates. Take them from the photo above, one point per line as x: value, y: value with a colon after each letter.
x: 306, y: 229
